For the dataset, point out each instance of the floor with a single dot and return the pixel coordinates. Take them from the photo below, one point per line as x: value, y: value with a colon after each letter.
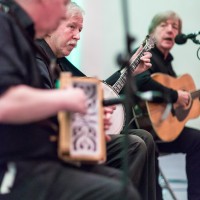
x: 173, y: 167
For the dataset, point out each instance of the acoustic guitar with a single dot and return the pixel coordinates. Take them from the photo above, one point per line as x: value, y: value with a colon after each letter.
x: 149, y: 115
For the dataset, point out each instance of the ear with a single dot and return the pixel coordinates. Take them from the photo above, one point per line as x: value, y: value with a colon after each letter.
x: 48, y: 35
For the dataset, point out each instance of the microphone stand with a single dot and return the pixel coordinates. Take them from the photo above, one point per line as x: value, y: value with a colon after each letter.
x: 196, y: 41
x: 130, y: 90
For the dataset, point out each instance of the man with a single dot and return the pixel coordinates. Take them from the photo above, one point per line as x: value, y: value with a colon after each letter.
x: 164, y: 27
x: 60, y: 43
x: 29, y: 165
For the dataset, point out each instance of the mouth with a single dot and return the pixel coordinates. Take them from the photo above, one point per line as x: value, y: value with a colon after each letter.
x: 169, y: 39
x: 72, y: 45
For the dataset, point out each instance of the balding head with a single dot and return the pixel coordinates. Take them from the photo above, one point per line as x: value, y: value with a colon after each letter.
x: 46, y: 14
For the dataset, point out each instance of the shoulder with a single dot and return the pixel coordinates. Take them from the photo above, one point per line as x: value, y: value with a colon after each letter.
x: 6, y: 22
x: 9, y: 30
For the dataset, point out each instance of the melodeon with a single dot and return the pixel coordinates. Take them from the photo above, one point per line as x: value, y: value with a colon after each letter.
x: 81, y: 137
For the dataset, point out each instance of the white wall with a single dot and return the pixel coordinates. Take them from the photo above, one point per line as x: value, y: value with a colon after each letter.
x: 103, y: 35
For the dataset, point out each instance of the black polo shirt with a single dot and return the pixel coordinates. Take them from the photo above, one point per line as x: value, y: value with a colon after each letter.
x: 18, y: 66
x: 49, y: 76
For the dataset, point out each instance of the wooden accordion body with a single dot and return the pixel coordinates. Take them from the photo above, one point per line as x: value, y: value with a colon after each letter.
x: 81, y: 137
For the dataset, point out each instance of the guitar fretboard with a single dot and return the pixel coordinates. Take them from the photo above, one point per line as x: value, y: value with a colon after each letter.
x: 119, y: 84
x: 195, y: 94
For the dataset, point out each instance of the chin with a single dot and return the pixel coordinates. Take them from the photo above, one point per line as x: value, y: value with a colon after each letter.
x: 168, y: 46
x: 66, y: 53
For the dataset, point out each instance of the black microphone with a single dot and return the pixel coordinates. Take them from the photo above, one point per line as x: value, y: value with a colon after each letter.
x: 182, y: 38
x: 113, y: 101
x: 152, y: 96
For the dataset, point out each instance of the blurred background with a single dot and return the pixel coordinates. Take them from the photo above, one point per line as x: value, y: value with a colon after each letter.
x: 103, y: 38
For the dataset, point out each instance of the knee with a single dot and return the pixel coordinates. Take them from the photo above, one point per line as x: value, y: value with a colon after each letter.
x: 136, y: 144
x: 148, y: 139
x: 132, y: 193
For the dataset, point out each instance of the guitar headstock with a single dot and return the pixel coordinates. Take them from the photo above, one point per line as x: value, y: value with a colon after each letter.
x: 149, y: 42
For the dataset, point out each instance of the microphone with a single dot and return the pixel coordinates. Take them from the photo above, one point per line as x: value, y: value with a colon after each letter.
x: 113, y: 101
x: 182, y: 38
x: 152, y: 96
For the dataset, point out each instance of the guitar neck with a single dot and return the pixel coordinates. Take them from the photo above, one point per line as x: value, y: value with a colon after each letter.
x: 119, y: 84
x: 195, y: 94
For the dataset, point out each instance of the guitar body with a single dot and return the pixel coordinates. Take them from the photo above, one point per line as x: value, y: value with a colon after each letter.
x: 169, y: 128
x: 118, y: 116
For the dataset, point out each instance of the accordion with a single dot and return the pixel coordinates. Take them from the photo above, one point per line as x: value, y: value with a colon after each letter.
x: 81, y: 137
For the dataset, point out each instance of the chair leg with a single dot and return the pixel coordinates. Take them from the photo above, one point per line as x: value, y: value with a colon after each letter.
x: 167, y: 185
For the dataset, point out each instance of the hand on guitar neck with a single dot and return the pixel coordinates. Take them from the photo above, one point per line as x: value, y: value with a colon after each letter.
x: 145, y: 61
x: 140, y: 61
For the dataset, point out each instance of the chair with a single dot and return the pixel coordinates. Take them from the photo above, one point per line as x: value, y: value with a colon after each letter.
x: 167, y: 183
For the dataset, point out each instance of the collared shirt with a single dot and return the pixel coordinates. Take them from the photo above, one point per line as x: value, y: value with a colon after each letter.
x: 159, y: 64
x: 49, y: 76
x: 45, y: 69
x: 18, y: 67
x: 13, y: 47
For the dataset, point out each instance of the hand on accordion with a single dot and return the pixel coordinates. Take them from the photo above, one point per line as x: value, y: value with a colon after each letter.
x: 79, y: 103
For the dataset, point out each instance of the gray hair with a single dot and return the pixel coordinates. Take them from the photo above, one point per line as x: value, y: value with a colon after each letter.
x: 74, y: 9
x: 162, y: 17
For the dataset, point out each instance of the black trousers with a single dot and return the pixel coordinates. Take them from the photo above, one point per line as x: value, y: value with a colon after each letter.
x: 53, y: 180
x: 140, y: 160
x: 188, y: 143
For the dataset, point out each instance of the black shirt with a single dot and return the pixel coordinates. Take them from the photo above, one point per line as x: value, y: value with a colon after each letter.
x: 13, y: 51
x: 45, y: 70
x: 18, y: 66
x: 159, y: 64
x: 48, y: 75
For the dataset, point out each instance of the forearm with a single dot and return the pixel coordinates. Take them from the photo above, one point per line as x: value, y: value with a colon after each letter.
x: 22, y: 104
x: 145, y: 83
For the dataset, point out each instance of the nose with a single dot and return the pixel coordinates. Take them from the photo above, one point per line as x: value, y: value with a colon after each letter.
x: 169, y: 27
x: 76, y: 35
